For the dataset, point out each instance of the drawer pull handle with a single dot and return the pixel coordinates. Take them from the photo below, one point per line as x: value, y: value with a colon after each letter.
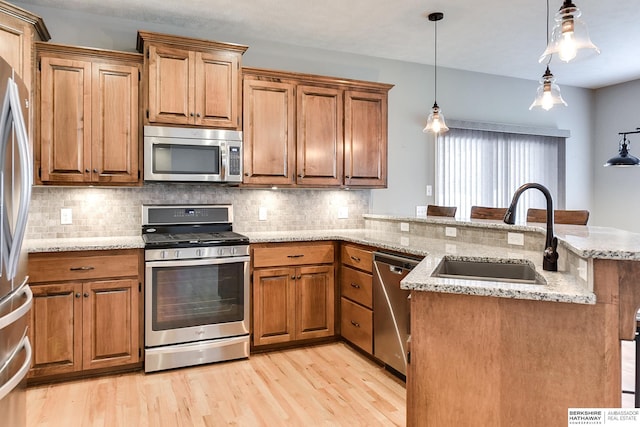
x: 356, y: 324
x: 355, y: 258
x: 355, y: 285
x: 295, y: 256
x: 83, y: 268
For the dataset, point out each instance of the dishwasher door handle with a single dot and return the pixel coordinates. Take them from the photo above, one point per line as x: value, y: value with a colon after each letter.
x: 396, y: 270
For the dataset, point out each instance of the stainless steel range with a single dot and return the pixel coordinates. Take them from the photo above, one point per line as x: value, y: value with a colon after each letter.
x: 196, y: 286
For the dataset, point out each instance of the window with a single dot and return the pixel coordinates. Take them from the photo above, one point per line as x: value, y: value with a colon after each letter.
x: 484, y: 166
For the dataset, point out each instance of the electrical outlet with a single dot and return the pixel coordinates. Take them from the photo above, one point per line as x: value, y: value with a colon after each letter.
x: 404, y: 226
x: 343, y: 212
x: 450, y: 232
x: 515, y: 239
x: 421, y: 211
x: 66, y: 216
x: 262, y: 213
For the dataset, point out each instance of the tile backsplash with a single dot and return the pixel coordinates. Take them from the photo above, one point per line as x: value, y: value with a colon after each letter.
x: 98, y: 211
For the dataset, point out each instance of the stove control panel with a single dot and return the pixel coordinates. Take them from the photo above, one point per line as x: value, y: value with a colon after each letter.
x: 196, y: 253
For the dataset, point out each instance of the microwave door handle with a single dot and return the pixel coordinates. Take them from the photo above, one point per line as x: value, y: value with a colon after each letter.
x: 25, y: 181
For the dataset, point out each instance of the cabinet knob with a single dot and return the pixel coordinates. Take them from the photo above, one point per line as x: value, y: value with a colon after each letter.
x: 299, y: 175
x: 246, y: 174
x: 355, y: 285
x: 78, y: 295
x: 191, y: 114
x: 348, y: 177
x: 356, y: 324
x: 95, y: 171
x: 198, y: 115
x: 299, y: 277
x: 87, y: 170
x: 86, y: 295
x: 293, y: 277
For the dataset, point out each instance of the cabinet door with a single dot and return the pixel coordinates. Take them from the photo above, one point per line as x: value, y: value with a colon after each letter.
x: 273, y: 305
x: 115, y: 123
x: 319, y: 137
x: 269, y: 132
x: 315, y: 314
x: 65, y: 120
x: 110, y: 323
x: 56, y: 329
x: 365, y: 152
x: 171, y: 85
x: 217, y: 90
x: 16, y: 38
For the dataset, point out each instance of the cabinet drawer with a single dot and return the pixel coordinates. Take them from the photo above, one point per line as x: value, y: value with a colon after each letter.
x: 357, y: 324
x: 357, y: 286
x: 357, y: 257
x: 51, y: 267
x: 317, y: 253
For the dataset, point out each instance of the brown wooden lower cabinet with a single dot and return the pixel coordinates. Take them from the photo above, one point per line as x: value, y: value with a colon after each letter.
x: 83, y: 325
x: 292, y: 303
x: 357, y: 324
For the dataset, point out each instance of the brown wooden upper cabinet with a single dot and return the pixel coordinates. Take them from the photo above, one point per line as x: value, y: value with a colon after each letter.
x: 19, y: 29
x: 191, y: 82
x: 313, y: 131
x: 89, y: 118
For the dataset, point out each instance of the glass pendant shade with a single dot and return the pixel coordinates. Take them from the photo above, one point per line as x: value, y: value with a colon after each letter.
x: 569, y: 37
x: 623, y: 158
x: 548, y: 93
x: 435, y: 121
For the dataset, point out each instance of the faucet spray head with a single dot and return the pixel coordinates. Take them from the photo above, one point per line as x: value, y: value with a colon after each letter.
x: 509, y: 217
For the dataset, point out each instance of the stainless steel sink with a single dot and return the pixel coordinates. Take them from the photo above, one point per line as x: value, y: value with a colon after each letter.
x: 507, y: 270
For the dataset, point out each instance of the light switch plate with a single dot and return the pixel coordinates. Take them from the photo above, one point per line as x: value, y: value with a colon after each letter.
x: 429, y: 191
x: 66, y: 216
x: 515, y: 239
x: 262, y: 213
x: 450, y: 232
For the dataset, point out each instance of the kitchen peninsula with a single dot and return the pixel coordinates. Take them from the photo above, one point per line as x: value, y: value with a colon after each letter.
x: 498, y: 353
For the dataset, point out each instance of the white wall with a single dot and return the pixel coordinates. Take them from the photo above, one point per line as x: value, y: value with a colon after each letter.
x: 461, y: 95
x: 616, y: 192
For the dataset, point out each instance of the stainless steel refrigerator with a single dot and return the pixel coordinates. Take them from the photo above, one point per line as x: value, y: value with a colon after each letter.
x: 16, y: 179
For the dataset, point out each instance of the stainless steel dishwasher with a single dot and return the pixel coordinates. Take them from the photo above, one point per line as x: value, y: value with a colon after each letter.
x: 391, y: 309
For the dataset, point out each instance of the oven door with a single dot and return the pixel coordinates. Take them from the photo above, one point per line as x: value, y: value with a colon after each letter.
x: 194, y: 300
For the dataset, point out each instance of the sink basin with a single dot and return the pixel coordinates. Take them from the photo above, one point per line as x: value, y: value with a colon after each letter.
x: 504, y: 270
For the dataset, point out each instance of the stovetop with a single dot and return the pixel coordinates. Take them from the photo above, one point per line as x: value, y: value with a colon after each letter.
x: 191, y: 239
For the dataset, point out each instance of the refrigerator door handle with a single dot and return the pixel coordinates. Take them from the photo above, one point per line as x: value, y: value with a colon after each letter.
x: 25, y: 180
x: 16, y: 314
x: 7, y: 387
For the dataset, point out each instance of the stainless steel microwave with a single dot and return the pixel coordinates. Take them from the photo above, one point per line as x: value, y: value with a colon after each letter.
x: 192, y: 154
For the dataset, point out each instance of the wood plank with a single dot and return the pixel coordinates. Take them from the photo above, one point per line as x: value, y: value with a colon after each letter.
x: 322, y: 385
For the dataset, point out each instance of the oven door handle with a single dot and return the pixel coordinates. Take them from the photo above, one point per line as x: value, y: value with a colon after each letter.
x: 200, y: 261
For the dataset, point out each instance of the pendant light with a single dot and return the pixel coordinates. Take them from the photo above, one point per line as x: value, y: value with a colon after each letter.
x: 548, y: 93
x: 570, y: 35
x: 435, y: 121
x: 624, y: 158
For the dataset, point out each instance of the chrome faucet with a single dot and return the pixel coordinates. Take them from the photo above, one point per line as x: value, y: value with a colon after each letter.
x: 550, y: 256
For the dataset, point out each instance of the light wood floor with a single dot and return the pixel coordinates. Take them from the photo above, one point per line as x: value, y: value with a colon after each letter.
x: 326, y: 385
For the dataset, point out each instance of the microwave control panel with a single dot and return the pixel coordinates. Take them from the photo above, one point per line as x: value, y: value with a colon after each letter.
x: 234, y: 161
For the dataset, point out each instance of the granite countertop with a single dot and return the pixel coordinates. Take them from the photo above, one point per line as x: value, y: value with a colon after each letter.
x: 585, y: 241
x: 559, y: 286
x: 84, y: 244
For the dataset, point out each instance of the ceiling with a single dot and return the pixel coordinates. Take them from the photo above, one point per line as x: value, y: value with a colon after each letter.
x: 489, y: 36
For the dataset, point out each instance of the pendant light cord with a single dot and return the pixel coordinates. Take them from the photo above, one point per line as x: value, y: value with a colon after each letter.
x: 551, y: 55
x: 435, y: 65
